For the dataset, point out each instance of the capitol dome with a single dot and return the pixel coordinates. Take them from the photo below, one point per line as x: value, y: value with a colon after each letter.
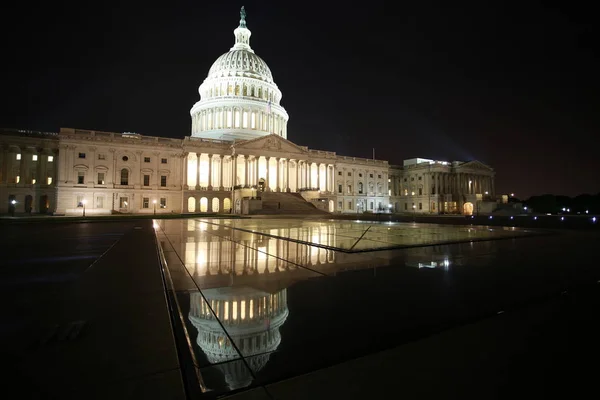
x: 239, y: 98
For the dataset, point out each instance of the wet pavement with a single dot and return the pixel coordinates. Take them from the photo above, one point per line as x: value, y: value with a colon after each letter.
x: 267, y: 300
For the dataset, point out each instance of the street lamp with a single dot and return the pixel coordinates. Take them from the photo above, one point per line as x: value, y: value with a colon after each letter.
x: 154, y: 203
x: 414, y: 212
x: 14, y: 205
x: 83, y: 202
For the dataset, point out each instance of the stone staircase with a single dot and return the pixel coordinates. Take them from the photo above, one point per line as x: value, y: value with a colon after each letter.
x: 274, y: 203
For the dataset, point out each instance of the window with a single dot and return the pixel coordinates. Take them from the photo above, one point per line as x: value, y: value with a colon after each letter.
x: 405, y: 206
x: 163, y: 181
x: 146, y: 159
x: 420, y: 191
x: 360, y: 175
x: 360, y: 187
x: 349, y: 188
x: 339, y: 172
x: 125, y: 158
x: 18, y: 156
x: 100, y: 178
x: 34, y: 157
x: 420, y: 206
x: 420, y: 178
x: 146, y: 180
x: 123, y: 202
x: 49, y: 180
x: 340, y: 188
x: 100, y: 202
x: 163, y: 160
x: 349, y: 173
x: 404, y: 179
x: 371, y: 205
x: 124, y: 176
x: 146, y: 202
x: 340, y: 205
x: 81, y: 155
x: 163, y: 202
x: 100, y: 157
x: 412, y: 179
x: 80, y: 177
x: 50, y: 158
x: 350, y: 205
x: 379, y: 176
x: 370, y: 175
x: 79, y: 200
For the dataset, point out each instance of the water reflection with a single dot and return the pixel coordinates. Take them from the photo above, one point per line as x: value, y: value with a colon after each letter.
x: 251, y: 319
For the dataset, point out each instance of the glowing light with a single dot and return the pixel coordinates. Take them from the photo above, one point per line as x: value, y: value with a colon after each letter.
x: 50, y: 158
x: 534, y: 217
x: 564, y: 209
x: 568, y: 210
x: 525, y: 208
x: 491, y: 217
x: 512, y: 195
x: 562, y: 218
x: 586, y: 211
x: 593, y: 218
x: 511, y: 217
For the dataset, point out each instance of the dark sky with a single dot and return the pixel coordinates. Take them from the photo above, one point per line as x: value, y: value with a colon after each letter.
x: 513, y: 85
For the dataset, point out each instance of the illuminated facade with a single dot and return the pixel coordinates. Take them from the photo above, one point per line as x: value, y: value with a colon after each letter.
x: 238, y: 147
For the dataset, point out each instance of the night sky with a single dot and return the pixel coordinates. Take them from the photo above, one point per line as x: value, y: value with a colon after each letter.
x: 513, y: 85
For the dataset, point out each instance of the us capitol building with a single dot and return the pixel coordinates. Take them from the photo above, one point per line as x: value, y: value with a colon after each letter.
x: 237, y: 159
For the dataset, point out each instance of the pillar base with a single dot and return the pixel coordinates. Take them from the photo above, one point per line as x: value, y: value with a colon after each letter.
x: 210, y: 187
x: 197, y: 187
x: 221, y: 188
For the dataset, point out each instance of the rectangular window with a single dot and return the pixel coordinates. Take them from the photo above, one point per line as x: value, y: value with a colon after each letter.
x: 123, y: 202
x: 80, y: 178
x: 81, y: 155
x: 420, y: 191
x: 339, y: 205
x: 370, y: 175
x: 146, y: 159
x: 146, y: 202
x: 34, y: 157
x: 371, y: 205
x: 350, y: 205
x: 404, y: 179
x: 379, y: 176
x: 18, y: 156
x: 405, y: 206
x: 420, y: 206
x: 420, y: 178
x: 412, y: 179
x: 339, y: 172
x: 50, y: 158
x: 49, y: 180
x: 349, y: 188
x: 349, y: 173
x: 163, y: 181
x: 339, y: 188
x: 101, y: 156
x: 146, y: 180
x: 79, y: 200
x: 100, y: 178
x: 163, y: 202
x: 163, y: 160
x: 360, y: 175
x: 100, y: 202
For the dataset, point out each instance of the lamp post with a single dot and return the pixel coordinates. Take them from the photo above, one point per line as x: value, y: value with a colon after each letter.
x: 83, y: 202
x: 414, y: 212
x: 14, y: 205
x: 154, y: 204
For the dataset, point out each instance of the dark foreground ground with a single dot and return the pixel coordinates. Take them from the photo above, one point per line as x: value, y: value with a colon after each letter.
x: 84, y: 315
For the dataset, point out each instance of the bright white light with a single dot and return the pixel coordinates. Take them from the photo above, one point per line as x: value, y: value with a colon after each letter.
x: 564, y: 209
x: 525, y: 208
x: 84, y: 201
x: 586, y: 211
x: 50, y: 158
x: 593, y: 218
x: 534, y: 217
x: 568, y: 210
x: 548, y: 214
x: 13, y: 202
x: 562, y: 218
x: 472, y: 216
x: 511, y: 217
x: 490, y: 217
x: 34, y: 157
x: 486, y: 192
x: 154, y: 201
x: 512, y: 195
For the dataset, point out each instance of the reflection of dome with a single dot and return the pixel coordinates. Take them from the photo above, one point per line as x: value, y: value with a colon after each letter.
x: 251, y: 318
x: 238, y: 98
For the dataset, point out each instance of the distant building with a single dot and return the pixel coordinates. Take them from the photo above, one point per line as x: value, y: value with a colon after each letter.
x: 238, y: 148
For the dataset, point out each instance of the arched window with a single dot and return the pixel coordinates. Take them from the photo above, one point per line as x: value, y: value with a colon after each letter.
x: 237, y: 90
x: 191, y: 204
x: 226, y: 204
x: 124, y: 176
x: 259, y: 93
x: 215, y: 204
x: 245, y: 91
x: 203, y: 204
x: 360, y: 187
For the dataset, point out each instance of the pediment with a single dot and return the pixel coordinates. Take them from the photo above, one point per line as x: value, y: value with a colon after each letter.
x: 272, y: 143
x: 477, y: 165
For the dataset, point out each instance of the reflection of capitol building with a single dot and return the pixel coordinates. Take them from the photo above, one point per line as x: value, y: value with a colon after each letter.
x: 251, y: 318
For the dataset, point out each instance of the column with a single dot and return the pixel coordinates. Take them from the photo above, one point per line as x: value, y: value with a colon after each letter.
x: 277, y: 187
x: 221, y: 167
x: 210, y: 162
x: 287, y: 174
x: 308, y: 174
x: 268, y: 182
x: 198, y: 171
x: 245, y: 170
x: 256, y: 163
x: 185, y: 171
x: 42, y: 179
